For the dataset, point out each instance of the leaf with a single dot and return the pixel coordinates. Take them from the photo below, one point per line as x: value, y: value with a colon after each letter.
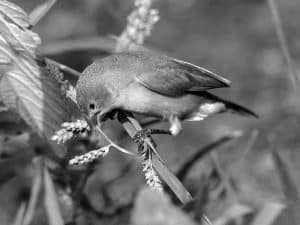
x: 15, y: 14
x: 50, y: 201
x: 289, y: 187
x: 236, y: 211
x: 36, y: 96
x: 20, y: 214
x: 35, y: 191
x: 40, y: 11
x: 155, y: 208
x: 22, y: 41
x: 268, y: 214
x: 31, y: 90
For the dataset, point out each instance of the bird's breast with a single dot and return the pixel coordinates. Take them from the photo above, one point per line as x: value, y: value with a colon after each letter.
x: 138, y: 99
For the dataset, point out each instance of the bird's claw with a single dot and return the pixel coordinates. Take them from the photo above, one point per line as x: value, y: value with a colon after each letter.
x: 141, y: 135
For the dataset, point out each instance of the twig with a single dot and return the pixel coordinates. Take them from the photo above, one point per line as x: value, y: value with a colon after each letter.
x: 63, y: 67
x: 283, y: 43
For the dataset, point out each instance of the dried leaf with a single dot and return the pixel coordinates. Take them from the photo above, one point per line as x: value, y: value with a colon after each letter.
x: 50, y: 201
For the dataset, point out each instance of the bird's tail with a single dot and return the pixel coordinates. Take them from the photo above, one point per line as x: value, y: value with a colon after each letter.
x: 236, y: 108
x: 213, y: 104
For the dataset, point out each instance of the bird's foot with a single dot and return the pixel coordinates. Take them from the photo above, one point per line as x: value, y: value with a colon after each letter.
x: 112, y: 114
x: 175, y: 123
x: 141, y: 135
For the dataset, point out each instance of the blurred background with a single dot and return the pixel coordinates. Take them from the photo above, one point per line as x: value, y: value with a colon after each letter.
x: 254, y: 175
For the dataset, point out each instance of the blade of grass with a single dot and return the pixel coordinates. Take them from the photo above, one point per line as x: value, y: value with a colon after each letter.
x: 269, y: 213
x: 289, y: 186
x: 50, y: 201
x: 234, y: 212
x: 20, y: 214
x: 283, y: 43
x: 35, y: 191
x: 40, y: 11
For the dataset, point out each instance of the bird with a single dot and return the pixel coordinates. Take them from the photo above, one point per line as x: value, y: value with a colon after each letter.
x: 152, y: 84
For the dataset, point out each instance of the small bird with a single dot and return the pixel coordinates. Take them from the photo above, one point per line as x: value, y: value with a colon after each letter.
x: 151, y: 84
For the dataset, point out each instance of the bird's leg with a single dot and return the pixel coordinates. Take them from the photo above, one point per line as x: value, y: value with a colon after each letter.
x: 175, y: 128
x: 141, y: 135
x: 111, y: 115
x: 175, y: 125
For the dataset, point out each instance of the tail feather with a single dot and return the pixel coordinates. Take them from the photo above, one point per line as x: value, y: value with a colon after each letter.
x: 213, y: 104
x: 235, y: 108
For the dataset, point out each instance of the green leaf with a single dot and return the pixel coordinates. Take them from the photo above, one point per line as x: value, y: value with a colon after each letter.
x: 289, y: 187
x: 35, y: 191
x: 23, y: 41
x: 40, y: 11
x: 268, y: 214
x: 234, y: 212
x: 156, y: 208
x: 32, y: 91
x: 15, y: 13
x: 50, y: 201
x: 20, y: 214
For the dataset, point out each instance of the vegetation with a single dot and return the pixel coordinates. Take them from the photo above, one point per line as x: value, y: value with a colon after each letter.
x: 239, y: 171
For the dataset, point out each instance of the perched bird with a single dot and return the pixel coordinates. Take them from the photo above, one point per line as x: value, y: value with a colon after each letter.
x: 153, y: 85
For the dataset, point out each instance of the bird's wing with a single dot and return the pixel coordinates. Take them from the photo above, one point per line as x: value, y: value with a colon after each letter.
x: 174, y: 77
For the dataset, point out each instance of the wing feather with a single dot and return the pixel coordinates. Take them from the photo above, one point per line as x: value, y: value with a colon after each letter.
x: 174, y: 77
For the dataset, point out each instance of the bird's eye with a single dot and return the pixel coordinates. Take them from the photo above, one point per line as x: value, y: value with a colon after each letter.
x: 92, y: 106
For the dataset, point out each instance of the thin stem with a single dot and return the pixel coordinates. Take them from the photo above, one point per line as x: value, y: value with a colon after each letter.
x: 40, y: 12
x: 63, y: 67
x: 112, y: 143
x: 283, y: 42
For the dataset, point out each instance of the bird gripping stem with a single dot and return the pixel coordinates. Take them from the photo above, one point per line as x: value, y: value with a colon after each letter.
x: 131, y: 125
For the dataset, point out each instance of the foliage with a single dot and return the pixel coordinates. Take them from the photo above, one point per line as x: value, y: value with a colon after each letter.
x: 248, y: 177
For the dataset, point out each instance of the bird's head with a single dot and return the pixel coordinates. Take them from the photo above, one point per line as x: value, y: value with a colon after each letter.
x: 92, y: 109
x: 93, y: 102
x: 94, y: 94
